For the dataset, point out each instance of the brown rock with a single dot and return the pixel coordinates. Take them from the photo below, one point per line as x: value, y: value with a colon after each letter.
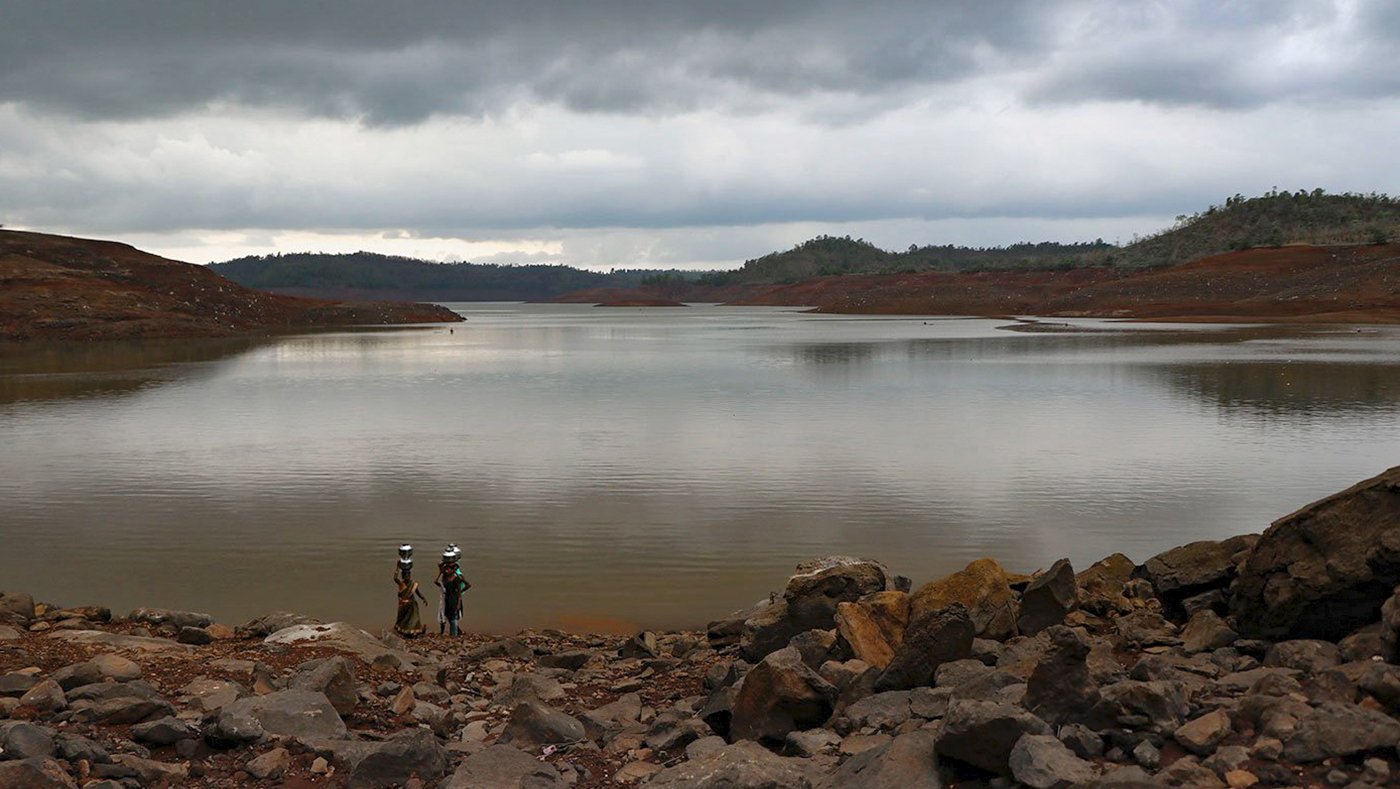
x: 779, y: 695
x: 1325, y: 570
x: 874, y: 625
x: 403, y: 702
x: 982, y: 588
x: 935, y: 637
x: 1101, y: 586
x: 1048, y: 598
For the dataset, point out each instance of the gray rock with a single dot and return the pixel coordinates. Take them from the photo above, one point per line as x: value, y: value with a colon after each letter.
x: 718, y: 710
x: 929, y: 703
x: 123, y: 641
x: 266, y: 625
x: 1325, y: 570
x: 931, y: 640
x: 1188, y: 771
x: 46, y: 697
x: 35, y: 773
x: 1195, y: 568
x: 1048, y: 598
x: 196, y: 636
x: 982, y: 733
x: 1081, y: 740
x: 304, y: 714
x: 534, y: 723
x: 808, y: 743
x: 500, y: 648
x: 26, y: 741
x: 16, y: 684
x: 334, y: 676
x: 642, y: 645
x: 957, y: 672
x: 527, y: 687
x: 1147, y: 755
x: 212, y: 695
x: 165, y: 731
x: 882, y: 711
x: 705, y: 746
x: 571, y: 660
x: 814, y: 646
x: 1157, y: 705
x: 1307, y: 655
x: 743, y: 765
x: 908, y: 761
x: 72, y: 748
x: 1341, y: 730
x: 116, y: 667
x: 603, y: 721
x: 77, y: 675
x: 779, y: 695
x: 1060, y: 688
x: 1043, y: 762
x: 161, y: 616
x: 1206, y: 632
x: 121, y: 709
x: 16, y: 608
x: 393, y: 762
x: 504, y: 766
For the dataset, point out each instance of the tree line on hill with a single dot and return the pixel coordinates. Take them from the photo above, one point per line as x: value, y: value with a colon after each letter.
x: 1273, y: 219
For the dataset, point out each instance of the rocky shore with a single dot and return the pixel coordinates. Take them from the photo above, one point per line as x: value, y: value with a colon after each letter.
x: 1261, y: 660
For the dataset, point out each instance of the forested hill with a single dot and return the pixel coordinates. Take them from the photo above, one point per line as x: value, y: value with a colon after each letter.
x: 1270, y: 220
x: 371, y: 273
x: 1273, y: 219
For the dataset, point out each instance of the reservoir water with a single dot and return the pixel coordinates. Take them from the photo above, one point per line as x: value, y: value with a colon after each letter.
x: 614, y: 468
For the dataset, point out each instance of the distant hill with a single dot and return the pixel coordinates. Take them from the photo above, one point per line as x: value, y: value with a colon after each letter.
x: 1274, y: 219
x: 368, y: 274
x: 1240, y: 223
x: 57, y: 287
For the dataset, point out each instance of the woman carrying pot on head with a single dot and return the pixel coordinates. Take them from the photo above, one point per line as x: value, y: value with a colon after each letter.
x: 407, y: 622
x: 453, y: 585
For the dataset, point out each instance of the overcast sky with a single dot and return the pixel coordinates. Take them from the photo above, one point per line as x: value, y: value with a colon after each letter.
x: 697, y: 134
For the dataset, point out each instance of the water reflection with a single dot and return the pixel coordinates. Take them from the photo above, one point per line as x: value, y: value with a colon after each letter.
x: 55, y: 371
x: 658, y: 467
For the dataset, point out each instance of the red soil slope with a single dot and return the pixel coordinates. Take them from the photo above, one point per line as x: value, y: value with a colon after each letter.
x: 56, y: 287
x: 1342, y: 284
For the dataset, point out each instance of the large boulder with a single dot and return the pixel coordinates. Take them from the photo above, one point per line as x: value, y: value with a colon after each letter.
x: 1335, y: 729
x: 983, y: 733
x: 334, y: 676
x: 983, y: 588
x: 163, y: 616
x: 809, y: 601
x: 394, y: 761
x: 1061, y: 688
x: 340, y: 636
x: 1195, y: 568
x: 873, y: 626
x: 304, y: 714
x: 934, y: 637
x: 502, y: 765
x: 121, y: 641
x: 35, y: 773
x: 1101, y: 587
x: 266, y: 625
x: 534, y: 723
x: 1047, y: 599
x: 16, y: 608
x: 743, y: 765
x: 779, y: 695
x: 1041, y: 761
x: 1325, y: 570
x: 908, y: 761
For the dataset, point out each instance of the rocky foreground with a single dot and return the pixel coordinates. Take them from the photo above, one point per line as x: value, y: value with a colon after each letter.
x: 1262, y: 660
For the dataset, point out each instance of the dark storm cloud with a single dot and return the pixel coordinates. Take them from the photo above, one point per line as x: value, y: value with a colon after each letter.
x: 1236, y: 55
x: 394, y: 64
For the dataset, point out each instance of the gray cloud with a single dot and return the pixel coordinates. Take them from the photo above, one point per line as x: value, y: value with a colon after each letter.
x: 1225, y: 55
x: 390, y: 64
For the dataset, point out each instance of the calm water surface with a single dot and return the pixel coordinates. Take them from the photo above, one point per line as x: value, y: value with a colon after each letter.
x: 608, y: 468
